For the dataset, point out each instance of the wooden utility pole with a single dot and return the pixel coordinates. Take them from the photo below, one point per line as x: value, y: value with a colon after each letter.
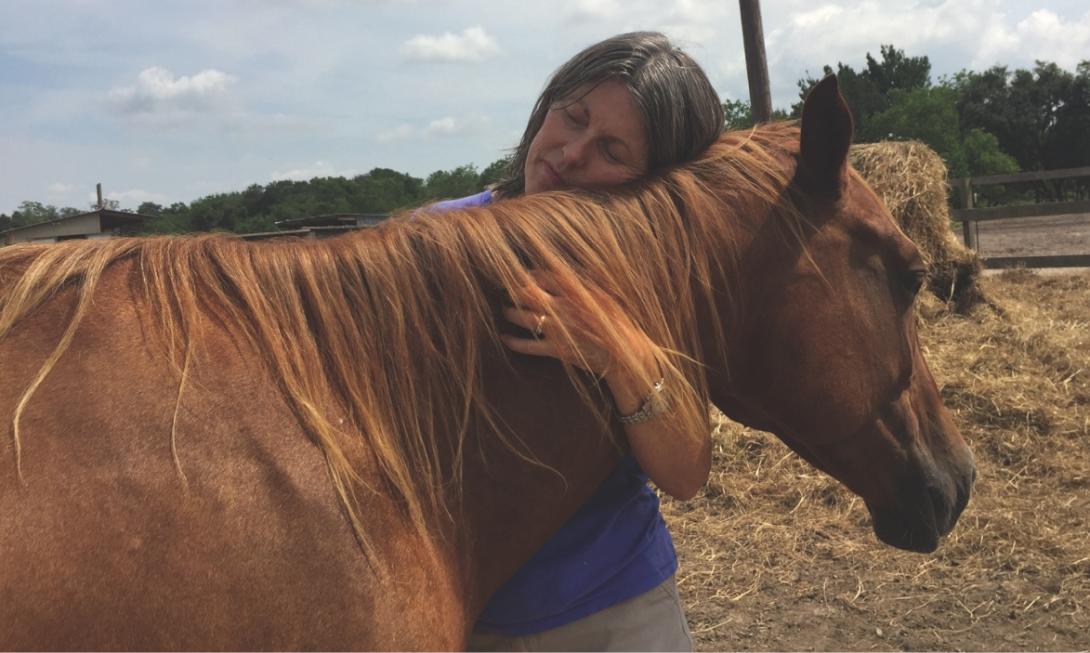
x: 753, y: 38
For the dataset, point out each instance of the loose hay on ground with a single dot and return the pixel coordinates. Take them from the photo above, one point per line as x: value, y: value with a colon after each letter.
x: 775, y: 556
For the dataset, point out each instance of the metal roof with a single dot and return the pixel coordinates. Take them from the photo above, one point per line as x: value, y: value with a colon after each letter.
x: 109, y: 219
x: 333, y: 220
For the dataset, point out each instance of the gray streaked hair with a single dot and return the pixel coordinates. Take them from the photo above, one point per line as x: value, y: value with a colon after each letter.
x: 681, y: 112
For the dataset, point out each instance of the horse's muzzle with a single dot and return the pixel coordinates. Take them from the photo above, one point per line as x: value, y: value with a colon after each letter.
x: 929, y: 502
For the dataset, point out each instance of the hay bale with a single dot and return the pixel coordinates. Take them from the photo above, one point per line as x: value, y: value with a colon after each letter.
x: 911, y: 179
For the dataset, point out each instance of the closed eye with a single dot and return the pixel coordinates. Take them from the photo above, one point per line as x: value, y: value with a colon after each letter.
x: 572, y: 117
x: 609, y: 154
x: 913, y: 280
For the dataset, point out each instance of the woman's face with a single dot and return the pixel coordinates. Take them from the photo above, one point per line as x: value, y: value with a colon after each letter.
x: 597, y: 139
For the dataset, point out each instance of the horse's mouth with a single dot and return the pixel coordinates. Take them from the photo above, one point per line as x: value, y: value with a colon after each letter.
x: 893, y: 529
x: 925, y: 512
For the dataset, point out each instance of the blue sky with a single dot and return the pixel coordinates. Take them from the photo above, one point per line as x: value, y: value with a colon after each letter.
x: 170, y: 101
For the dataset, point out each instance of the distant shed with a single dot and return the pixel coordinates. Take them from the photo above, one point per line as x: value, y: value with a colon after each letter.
x: 321, y: 226
x: 102, y: 223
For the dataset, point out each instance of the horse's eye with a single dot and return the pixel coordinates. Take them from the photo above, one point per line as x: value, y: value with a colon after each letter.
x: 913, y: 280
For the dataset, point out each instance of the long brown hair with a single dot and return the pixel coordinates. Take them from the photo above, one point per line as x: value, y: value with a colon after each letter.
x: 376, y: 338
x: 681, y: 112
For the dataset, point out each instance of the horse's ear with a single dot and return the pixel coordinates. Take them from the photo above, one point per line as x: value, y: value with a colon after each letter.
x: 826, y: 137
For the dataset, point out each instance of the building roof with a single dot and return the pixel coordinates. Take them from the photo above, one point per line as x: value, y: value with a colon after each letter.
x: 333, y: 220
x: 303, y: 232
x: 109, y: 219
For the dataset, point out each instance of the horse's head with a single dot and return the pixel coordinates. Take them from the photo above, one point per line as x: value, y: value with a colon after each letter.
x: 827, y: 355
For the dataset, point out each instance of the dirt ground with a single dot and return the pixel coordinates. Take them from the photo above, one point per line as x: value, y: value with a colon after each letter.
x: 1061, y: 234
x: 775, y: 556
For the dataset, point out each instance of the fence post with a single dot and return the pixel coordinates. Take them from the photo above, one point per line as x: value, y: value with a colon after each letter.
x: 967, y: 230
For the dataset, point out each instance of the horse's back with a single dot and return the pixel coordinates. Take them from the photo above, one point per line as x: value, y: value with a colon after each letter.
x: 136, y: 525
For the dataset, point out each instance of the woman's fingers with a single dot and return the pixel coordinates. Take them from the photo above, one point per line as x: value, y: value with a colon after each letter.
x: 535, y: 309
x: 531, y: 346
x: 529, y: 320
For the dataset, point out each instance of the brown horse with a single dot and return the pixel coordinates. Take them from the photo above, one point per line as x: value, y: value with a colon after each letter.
x: 218, y: 444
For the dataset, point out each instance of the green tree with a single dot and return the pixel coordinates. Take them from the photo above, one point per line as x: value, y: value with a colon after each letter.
x: 925, y: 114
x: 983, y: 155
x: 737, y: 115
x: 1068, y: 145
x: 867, y: 91
x: 930, y: 115
x: 1040, y: 116
x: 149, y: 208
x: 897, y: 72
x: 383, y: 191
x: 495, y: 172
x: 173, y: 219
x: 459, y: 182
x: 30, y: 213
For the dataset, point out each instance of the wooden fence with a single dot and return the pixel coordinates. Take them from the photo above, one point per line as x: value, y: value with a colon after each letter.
x: 969, y: 216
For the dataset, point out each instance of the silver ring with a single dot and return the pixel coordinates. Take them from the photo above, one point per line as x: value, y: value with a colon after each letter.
x: 539, y: 330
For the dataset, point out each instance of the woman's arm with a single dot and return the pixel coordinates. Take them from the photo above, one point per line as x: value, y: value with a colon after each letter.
x: 677, y: 462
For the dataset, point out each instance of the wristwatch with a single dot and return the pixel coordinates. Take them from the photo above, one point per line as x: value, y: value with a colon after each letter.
x: 654, y: 404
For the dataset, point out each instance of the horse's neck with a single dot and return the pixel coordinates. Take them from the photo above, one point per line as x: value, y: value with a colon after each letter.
x: 511, y: 506
x: 745, y: 245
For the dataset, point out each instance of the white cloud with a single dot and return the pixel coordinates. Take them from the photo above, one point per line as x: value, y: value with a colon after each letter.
x: 317, y: 169
x: 440, y: 127
x: 472, y: 45
x: 817, y: 18
x: 395, y: 134
x: 61, y: 188
x: 999, y: 40
x: 450, y: 126
x: 1065, y: 43
x: 810, y: 36
x: 159, y: 90
x: 688, y: 34
x: 698, y: 10
x: 984, y: 32
x: 444, y: 127
x: 595, y: 8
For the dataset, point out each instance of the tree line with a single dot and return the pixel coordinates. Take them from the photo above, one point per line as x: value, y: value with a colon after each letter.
x: 991, y: 122
x: 259, y: 207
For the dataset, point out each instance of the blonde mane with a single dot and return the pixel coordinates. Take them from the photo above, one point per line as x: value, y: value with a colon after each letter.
x: 376, y: 338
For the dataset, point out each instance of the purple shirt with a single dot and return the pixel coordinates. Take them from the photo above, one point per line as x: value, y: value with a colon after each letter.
x: 614, y: 548
x: 480, y: 199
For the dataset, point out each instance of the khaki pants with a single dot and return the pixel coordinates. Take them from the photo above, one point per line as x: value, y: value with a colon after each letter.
x: 652, y: 621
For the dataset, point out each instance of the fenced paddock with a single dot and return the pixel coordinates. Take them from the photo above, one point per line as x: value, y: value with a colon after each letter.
x: 775, y: 556
x: 1053, y: 234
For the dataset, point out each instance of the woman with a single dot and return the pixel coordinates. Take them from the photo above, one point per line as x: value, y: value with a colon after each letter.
x: 629, y: 106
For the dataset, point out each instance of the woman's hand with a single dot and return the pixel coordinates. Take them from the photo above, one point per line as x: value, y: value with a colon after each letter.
x: 677, y: 462
x: 542, y: 308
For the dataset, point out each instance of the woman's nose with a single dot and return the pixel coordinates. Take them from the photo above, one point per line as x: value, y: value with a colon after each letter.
x: 575, y: 152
